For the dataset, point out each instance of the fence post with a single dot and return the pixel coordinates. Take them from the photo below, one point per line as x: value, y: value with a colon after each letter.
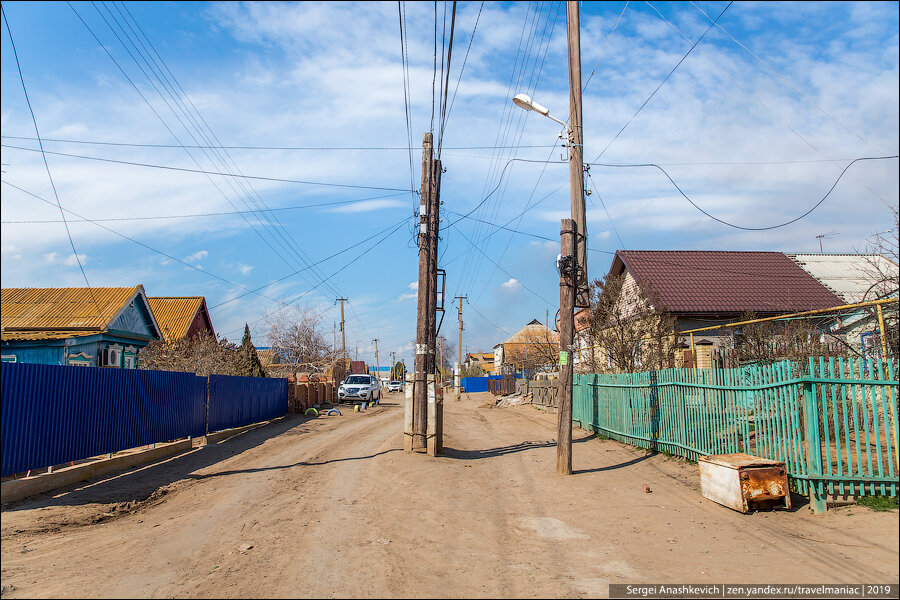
x: 813, y: 447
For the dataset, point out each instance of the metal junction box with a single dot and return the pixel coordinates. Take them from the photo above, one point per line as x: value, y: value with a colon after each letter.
x: 744, y: 482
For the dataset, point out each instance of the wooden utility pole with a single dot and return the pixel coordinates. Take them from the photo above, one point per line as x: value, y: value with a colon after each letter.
x: 576, y: 154
x: 573, y: 286
x: 377, y: 369
x: 458, y: 379
x: 415, y: 425
x: 344, y: 365
x: 567, y: 286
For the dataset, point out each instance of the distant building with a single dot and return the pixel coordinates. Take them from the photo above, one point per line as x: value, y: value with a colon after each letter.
x: 479, y: 360
x: 705, y: 288
x: 857, y: 278
x: 534, y: 348
x: 98, y: 326
x: 181, y: 317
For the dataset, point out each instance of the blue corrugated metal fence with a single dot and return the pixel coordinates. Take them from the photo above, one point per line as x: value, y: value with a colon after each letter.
x: 261, y: 399
x: 55, y: 414
x: 477, y: 384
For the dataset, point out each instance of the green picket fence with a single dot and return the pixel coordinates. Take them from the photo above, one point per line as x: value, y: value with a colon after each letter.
x: 833, y: 422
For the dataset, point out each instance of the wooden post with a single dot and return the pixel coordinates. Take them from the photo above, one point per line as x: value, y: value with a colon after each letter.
x: 567, y: 286
x: 458, y: 381
x: 418, y: 406
x: 890, y: 390
x: 817, y: 498
x: 576, y: 154
x: 344, y: 365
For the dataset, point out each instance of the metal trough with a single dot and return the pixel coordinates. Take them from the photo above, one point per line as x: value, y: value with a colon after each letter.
x: 744, y: 482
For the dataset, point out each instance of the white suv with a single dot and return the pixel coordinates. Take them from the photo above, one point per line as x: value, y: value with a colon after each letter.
x: 359, y: 388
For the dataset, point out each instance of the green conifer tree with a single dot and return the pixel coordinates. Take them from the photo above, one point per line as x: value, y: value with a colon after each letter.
x: 255, y: 366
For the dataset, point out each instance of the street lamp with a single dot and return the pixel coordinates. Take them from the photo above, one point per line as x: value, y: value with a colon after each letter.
x: 573, y: 285
x: 525, y: 101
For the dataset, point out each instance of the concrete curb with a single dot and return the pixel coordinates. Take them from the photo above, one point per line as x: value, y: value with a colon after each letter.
x: 221, y: 436
x: 17, y: 489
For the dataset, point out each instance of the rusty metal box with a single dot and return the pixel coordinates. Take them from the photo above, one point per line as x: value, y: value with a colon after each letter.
x: 744, y: 482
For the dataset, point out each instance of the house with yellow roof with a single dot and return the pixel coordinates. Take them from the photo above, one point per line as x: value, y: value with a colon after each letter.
x: 181, y: 316
x: 96, y: 326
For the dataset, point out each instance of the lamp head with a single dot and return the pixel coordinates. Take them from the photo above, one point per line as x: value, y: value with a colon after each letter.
x: 525, y: 101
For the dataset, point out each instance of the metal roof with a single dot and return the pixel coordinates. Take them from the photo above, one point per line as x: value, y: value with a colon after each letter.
x: 724, y: 282
x: 175, y: 314
x: 73, y: 309
x: 850, y: 276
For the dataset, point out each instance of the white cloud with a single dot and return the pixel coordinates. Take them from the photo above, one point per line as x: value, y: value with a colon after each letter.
x: 199, y: 255
x: 512, y: 285
x: 368, y: 205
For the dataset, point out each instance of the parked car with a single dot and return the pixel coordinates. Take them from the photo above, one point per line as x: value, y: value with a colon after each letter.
x: 359, y: 388
x: 395, y: 386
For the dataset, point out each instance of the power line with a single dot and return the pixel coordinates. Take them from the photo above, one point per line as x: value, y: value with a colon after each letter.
x: 279, y: 234
x: 404, y: 58
x: 760, y: 102
x: 784, y: 81
x: 208, y: 172
x: 735, y: 226
x: 254, y: 147
x: 446, y: 84
x: 37, y: 133
x: 661, y: 83
x: 209, y: 214
x: 603, y: 204
x: 465, y: 59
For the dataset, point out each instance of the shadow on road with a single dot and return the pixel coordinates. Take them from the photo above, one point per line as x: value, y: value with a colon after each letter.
x: 141, y: 482
x: 500, y: 451
x: 301, y: 463
x: 621, y: 465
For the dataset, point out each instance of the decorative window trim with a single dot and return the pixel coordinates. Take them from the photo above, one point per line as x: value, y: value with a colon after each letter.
x: 79, y: 359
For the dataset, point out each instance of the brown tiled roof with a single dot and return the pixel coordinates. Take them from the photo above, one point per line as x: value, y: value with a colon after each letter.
x: 724, y: 282
x: 62, y: 309
x: 175, y: 314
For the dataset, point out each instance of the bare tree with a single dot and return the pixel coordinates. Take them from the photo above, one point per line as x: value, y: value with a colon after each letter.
x: 882, y: 271
x: 202, y: 354
x: 532, y: 350
x: 771, y: 341
x: 630, y: 330
x: 297, y: 342
x: 449, y: 354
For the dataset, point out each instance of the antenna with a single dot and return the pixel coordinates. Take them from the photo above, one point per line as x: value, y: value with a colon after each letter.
x: 819, y: 237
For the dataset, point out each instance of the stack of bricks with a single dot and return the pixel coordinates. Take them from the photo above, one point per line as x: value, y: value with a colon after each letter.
x: 298, y: 397
x: 302, y: 395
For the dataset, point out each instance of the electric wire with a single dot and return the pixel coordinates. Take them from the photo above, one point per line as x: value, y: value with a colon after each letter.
x: 257, y: 147
x: 163, y: 121
x: 747, y: 93
x: 37, y: 133
x: 786, y: 82
x: 744, y: 228
x: 279, y: 232
x: 210, y: 172
x: 208, y: 214
x: 650, y: 97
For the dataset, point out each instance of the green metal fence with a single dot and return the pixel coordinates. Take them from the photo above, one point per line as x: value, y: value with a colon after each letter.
x: 833, y: 422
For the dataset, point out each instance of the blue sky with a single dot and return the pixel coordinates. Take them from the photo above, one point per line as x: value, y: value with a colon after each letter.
x: 755, y: 125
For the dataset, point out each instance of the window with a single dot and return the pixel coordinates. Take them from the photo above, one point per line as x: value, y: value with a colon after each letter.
x: 10, y: 358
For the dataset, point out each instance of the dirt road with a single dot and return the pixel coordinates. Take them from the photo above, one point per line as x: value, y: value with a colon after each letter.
x: 333, y: 507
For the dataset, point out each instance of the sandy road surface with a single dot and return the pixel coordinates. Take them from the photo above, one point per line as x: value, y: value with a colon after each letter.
x: 333, y: 507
